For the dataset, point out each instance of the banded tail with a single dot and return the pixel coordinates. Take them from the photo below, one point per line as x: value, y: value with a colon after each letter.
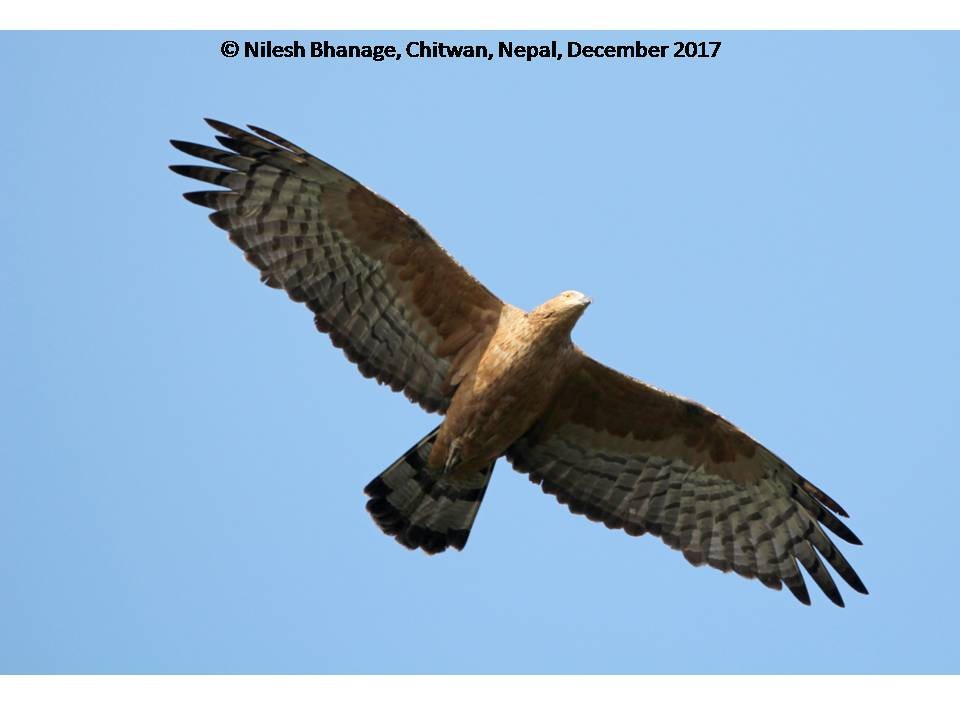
x: 419, y: 507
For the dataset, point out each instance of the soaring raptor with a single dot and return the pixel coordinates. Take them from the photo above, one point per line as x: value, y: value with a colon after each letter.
x: 507, y: 382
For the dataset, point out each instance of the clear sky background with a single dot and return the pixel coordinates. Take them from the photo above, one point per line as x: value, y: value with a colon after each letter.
x: 182, y: 457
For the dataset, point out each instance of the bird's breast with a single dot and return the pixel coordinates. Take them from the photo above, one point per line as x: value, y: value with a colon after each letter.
x: 511, y: 387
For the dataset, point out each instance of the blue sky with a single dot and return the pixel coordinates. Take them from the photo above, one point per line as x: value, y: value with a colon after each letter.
x: 772, y: 232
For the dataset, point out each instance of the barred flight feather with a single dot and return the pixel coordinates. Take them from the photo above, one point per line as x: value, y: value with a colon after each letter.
x: 351, y: 257
x: 736, y: 507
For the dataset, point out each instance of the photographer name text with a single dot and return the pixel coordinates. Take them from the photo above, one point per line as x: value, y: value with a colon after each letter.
x: 505, y: 50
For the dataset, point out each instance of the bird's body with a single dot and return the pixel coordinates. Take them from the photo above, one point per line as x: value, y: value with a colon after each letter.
x: 520, y: 371
x: 510, y: 383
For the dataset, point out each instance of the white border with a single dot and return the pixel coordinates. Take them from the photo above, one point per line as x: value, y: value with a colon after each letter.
x: 464, y: 698
x: 481, y: 697
x: 490, y: 15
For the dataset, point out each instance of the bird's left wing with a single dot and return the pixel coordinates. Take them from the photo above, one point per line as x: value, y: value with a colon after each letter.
x: 400, y: 307
x: 624, y: 453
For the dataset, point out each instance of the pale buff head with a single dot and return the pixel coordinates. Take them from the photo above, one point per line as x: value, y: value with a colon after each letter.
x: 563, y: 310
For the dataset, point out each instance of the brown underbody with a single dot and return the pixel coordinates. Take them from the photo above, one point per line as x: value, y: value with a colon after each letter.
x: 522, y: 368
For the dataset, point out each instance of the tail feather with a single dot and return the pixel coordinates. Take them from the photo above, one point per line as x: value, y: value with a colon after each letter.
x: 420, y: 507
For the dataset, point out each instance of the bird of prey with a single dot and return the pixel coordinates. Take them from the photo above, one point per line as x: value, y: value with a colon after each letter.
x: 508, y: 383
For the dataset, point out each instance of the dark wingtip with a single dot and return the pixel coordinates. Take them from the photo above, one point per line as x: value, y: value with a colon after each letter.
x: 836, y: 598
x: 225, y: 128
x: 376, y: 488
x: 222, y: 220
x: 263, y: 133
x: 278, y: 140
x: 823, y: 497
x: 843, y: 532
x: 184, y: 170
x: 799, y: 591
x: 197, y: 197
x: 857, y: 584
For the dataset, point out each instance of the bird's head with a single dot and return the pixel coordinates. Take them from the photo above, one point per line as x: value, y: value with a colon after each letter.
x: 563, y: 310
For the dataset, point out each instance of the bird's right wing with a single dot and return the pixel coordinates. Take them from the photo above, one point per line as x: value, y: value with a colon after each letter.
x: 400, y: 307
x: 624, y: 453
